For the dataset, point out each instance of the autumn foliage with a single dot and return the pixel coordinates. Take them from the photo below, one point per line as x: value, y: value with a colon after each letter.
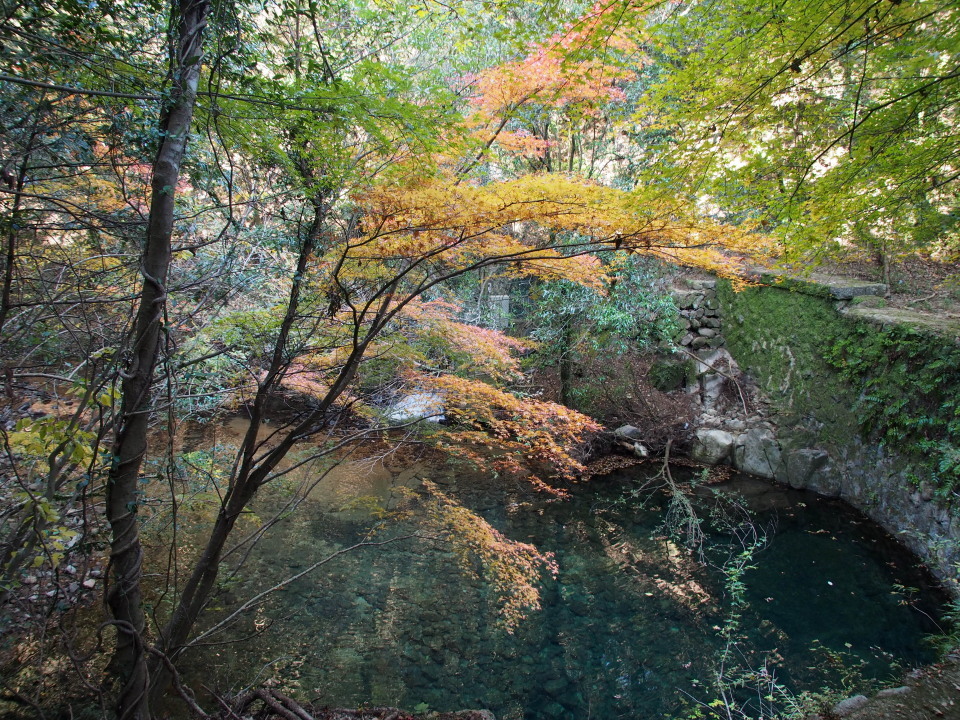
x: 513, y: 569
x: 559, y: 73
x: 442, y: 223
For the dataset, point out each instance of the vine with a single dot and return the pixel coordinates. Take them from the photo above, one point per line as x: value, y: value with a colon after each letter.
x: 909, y: 395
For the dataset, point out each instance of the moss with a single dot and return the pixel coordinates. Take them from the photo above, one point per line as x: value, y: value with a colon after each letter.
x: 778, y: 337
x: 668, y: 374
x: 830, y: 377
x: 869, y: 301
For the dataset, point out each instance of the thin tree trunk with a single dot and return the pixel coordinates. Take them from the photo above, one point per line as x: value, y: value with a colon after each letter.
x: 566, y: 365
x: 10, y: 257
x: 250, y: 475
x: 253, y: 472
x: 129, y: 663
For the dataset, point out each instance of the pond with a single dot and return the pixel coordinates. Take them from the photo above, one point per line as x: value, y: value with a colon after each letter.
x: 806, y: 593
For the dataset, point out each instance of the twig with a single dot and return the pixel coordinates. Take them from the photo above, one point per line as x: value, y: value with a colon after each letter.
x: 184, y: 694
x: 720, y: 372
x: 277, y: 707
x: 223, y: 703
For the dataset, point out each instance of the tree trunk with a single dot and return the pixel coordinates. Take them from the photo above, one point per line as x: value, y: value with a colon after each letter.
x: 254, y: 471
x: 566, y: 365
x: 10, y: 257
x: 129, y: 663
x: 251, y: 473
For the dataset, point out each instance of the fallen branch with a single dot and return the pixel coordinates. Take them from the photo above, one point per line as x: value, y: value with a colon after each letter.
x: 718, y: 371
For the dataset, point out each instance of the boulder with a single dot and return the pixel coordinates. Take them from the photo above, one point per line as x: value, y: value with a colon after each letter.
x: 800, y: 466
x: 711, y: 447
x: 628, y: 432
x: 756, y: 452
x: 418, y: 406
x: 850, y: 705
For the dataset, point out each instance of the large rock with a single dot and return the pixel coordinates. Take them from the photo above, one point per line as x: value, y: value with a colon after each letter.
x: 850, y: 705
x: 712, y: 447
x: 800, y: 466
x: 628, y: 432
x: 757, y: 452
x: 419, y: 406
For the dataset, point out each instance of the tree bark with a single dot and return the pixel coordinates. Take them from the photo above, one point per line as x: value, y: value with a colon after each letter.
x: 10, y: 257
x: 129, y: 662
x: 566, y: 365
x: 251, y: 473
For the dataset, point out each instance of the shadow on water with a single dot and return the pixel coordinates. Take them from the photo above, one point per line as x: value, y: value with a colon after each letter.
x: 631, y: 626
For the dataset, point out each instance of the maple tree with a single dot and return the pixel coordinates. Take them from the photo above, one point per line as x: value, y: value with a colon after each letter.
x: 514, y: 567
x: 556, y: 106
x: 294, y: 231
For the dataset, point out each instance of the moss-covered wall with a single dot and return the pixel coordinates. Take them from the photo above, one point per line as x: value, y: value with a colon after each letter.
x: 780, y: 338
x: 883, y: 401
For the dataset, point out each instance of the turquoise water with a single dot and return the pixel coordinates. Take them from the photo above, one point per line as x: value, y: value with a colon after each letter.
x: 631, y: 627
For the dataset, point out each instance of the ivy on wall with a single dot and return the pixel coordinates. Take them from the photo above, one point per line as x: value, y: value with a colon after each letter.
x: 909, y: 394
x: 899, y: 385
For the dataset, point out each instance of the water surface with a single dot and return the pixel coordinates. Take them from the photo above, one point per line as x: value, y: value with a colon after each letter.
x: 632, y: 626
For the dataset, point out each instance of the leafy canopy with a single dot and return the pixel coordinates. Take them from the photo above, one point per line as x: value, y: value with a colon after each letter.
x: 824, y: 121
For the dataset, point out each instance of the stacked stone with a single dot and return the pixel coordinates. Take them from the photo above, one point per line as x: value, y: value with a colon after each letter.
x: 699, y: 315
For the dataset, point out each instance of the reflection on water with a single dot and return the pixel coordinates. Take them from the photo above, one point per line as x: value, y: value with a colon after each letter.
x: 630, y: 627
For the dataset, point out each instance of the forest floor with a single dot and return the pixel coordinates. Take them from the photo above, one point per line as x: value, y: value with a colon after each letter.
x: 916, y: 283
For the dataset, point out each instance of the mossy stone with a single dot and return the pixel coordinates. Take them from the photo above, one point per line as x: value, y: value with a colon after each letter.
x: 668, y: 374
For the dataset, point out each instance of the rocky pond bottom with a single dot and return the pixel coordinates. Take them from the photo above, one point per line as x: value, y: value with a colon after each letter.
x: 808, y: 594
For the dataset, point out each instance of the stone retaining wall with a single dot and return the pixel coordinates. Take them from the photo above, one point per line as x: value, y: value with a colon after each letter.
x: 774, y: 405
x: 699, y: 315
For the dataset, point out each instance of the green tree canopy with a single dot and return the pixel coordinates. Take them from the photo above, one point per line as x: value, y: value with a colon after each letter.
x: 825, y: 122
